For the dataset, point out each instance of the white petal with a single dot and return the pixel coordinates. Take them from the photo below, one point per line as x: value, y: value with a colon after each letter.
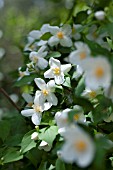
x: 45, y: 28
x: 42, y: 63
x: 41, y: 43
x: 54, y: 63
x: 66, y: 42
x: 51, y: 85
x: 32, y: 55
x: 36, y: 118
x: 53, y: 29
x: 51, y: 98
x: 49, y: 74
x: 41, y: 49
x: 53, y: 41
x: 47, y: 106
x: 39, y: 100
x: 66, y: 29
x: 59, y: 79
x: 65, y: 68
x: 40, y: 83
x: 27, y: 97
x: 35, y: 34
x: 27, y: 112
x: 68, y: 153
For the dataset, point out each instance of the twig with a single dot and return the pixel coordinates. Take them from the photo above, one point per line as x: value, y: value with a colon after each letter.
x: 10, y: 100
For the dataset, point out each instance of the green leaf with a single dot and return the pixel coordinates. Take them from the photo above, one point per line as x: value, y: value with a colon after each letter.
x: 27, y: 143
x: 80, y: 7
x: 12, y: 155
x: 35, y: 156
x: 54, y: 55
x: 42, y: 166
x: 67, y: 82
x: 25, y: 80
x: 110, y: 42
x: 49, y: 135
x: 60, y: 165
x: 80, y: 87
x: 4, y: 129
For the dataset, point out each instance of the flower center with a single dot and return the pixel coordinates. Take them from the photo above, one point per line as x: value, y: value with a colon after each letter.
x: 60, y: 35
x: 76, y: 117
x: 82, y: 55
x: 30, y: 104
x: 80, y: 146
x: 45, y: 92
x: 37, y: 108
x: 35, y: 59
x: 21, y: 74
x: 56, y: 70
x: 92, y: 94
x: 99, y: 72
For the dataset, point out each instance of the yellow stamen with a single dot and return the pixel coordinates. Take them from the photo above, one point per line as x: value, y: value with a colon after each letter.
x: 35, y: 59
x: 30, y: 104
x: 56, y: 70
x: 73, y: 30
x: 82, y: 55
x: 60, y: 35
x: 80, y: 146
x: 37, y: 108
x: 99, y: 72
x: 45, y: 92
x: 92, y: 94
x: 76, y: 117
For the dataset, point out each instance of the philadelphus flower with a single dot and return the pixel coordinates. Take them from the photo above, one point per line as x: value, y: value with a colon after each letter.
x: 29, y: 99
x: 75, y: 34
x: 78, y: 147
x: 60, y: 35
x: 45, y: 146
x: 97, y: 73
x: 23, y: 73
x: 47, y: 91
x: 62, y: 119
x: 57, y: 70
x: 88, y: 93
x: 100, y: 15
x: 36, y: 112
x: 79, y: 114
x: 38, y: 58
x: 80, y: 54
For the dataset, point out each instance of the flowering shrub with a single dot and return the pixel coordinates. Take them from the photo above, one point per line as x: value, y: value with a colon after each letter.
x: 67, y: 80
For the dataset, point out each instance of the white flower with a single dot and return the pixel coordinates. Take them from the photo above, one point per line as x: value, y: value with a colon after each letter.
x: 47, y: 91
x: 75, y: 31
x: 34, y: 136
x: 62, y: 119
x: 79, y: 114
x: 45, y: 146
x: 100, y: 15
x: 29, y: 99
x: 78, y: 147
x: 36, y: 111
x: 23, y: 73
x: 88, y: 93
x: 60, y: 35
x: 38, y: 58
x: 80, y: 54
x: 93, y: 35
x: 57, y: 70
x: 97, y: 73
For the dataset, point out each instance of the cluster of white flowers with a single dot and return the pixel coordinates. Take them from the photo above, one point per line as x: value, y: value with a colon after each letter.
x: 78, y: 146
